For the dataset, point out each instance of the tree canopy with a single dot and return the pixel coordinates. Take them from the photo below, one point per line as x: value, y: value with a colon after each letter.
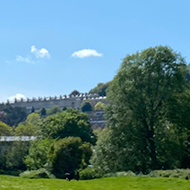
x: 74, y: 93
x: 100, y: 89
x: 99, y: 106
x: 67, y: 156
x: 33, y: 118
x: 14, y: 115
x: 137, y: 109
x: 53, y: 110
x: 5, y: 130
x: 68, y: 123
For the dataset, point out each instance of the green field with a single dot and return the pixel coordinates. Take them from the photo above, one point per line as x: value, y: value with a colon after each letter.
x: 116, y: 183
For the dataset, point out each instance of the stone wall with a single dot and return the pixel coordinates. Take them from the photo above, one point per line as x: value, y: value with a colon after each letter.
x: 62, y: 101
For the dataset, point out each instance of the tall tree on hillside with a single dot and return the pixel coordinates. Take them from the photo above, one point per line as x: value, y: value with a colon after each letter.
x: 100, y: 89
x: 43, y: 112
x: 137, y: 96
x: 14, y: 115
x: 74, y: 93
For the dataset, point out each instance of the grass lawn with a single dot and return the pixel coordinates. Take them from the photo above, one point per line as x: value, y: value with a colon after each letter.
x: 112, y: 183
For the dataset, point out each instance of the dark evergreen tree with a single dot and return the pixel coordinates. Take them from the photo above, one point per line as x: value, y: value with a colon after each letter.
x: 43, y: 112
x: 33, y: 110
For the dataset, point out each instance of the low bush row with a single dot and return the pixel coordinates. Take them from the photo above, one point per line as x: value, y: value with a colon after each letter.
x: 90, y: 173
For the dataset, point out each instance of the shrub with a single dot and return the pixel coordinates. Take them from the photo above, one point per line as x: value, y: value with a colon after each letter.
x: 66, y: 156
x: 177, y: 173
x: 120, y: 174
x: 10, y: 172
x: 35, y: 174
x: 87, y: 173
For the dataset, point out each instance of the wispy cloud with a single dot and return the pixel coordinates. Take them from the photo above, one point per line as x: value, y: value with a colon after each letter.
x: 86, y: 53
x: 40, y: 53
x: 24, y: 59
x: 17, y: 96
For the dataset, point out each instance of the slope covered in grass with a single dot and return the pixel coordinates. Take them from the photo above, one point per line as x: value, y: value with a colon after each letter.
x: 114, y: 183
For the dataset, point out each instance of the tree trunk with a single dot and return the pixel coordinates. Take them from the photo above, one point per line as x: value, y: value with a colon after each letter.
x: 151, y: 143
x: 154, y: 161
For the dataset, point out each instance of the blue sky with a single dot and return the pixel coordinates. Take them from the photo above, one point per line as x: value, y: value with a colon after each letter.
x: 50, y: 48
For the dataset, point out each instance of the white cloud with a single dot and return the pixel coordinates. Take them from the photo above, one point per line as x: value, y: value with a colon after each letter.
x: 17, y: 96
x: 24, y: 59
x: 40, y: 53
x: 86, y: 53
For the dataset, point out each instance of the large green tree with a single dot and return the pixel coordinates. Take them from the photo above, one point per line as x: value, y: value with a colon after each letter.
x: 68, y: 123
x: 137, y: 96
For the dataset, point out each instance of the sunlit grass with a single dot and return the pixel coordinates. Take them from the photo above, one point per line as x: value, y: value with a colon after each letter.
x: 113, y: 183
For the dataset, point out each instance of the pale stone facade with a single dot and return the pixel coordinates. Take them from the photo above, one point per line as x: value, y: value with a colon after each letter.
x: 61, y: 101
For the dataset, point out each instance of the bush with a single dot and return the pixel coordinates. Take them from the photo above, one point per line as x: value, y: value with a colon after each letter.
x: 35, y: 174
x: 10, y: 172
x: 177, y: 173
x: 120, y: 174
x: 87, y: 173
x: 66, y: 156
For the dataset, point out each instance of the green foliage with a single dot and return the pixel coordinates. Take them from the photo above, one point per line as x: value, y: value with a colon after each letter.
x: 87, y: 153
x: 74, y: 93
x: 100, y: 89
x: 3, y: 116
x: 100, y: 133
x: 15, y: 157
x: 11, y: 158
x: 33, y: 110
x: 86, y: 106
x: 38, y: 154
x: 14, y: 115
x: 27, y: 129
x: 137, y: 113
x: 177, y: 173
x: 120, y: 174
x: 113, y: 154
x: 10, y: 172
x: 66, y: 156
x: 36, y: 174
x: 53, y: 110
x: 87, y: 173
x: 5, y: 130
x: 68, y: 123
x: 99, y: 106
x: 178, y: 114
x: 33, y: 118
x: 43, y: 112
